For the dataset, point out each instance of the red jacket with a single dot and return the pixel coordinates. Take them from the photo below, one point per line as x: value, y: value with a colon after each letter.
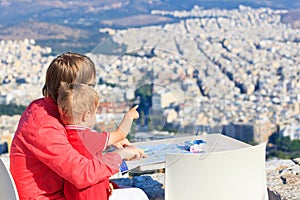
x: 41, y: 156
x: 90, y: 144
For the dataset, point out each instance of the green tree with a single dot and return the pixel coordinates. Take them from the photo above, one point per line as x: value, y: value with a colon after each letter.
x: 144, y: 96
x: 285, y: 148
x: 11, y: 109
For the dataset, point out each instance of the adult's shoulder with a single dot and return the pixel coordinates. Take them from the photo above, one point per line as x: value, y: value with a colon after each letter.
x: 43, y: 111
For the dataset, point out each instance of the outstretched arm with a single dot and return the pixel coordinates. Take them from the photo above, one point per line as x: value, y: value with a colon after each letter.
x: 124, y: 128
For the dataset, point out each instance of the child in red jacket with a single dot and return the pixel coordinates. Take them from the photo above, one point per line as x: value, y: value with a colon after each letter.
x: 77, y: 105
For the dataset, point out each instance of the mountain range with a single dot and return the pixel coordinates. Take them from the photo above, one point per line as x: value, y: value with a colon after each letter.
x: 74, y: 25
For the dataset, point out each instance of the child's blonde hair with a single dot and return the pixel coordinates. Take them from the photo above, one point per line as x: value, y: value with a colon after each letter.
x: 75, y: 99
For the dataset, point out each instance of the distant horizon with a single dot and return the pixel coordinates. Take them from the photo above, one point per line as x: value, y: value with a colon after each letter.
x: 65, y: 26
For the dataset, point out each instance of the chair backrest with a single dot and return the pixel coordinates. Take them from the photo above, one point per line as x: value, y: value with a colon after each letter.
x: 8, y: 189
x: 226, y: 175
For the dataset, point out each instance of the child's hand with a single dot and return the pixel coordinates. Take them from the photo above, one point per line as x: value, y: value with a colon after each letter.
x: 111, y: 189
x: 127, y: 120
x: 133, y: 113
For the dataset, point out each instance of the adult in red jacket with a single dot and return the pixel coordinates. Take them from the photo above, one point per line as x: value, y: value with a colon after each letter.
x: 41, y: 156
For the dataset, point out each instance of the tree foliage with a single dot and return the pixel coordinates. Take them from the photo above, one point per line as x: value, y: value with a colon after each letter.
x: 144, y: 94
x: 283, y: 147
x: 11, y: 109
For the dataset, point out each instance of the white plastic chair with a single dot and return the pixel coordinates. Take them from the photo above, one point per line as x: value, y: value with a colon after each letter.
x: 8, y: 190
x: 226, y: 175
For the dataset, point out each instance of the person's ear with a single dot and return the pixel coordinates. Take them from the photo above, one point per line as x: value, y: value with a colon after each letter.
x: 86, y: 115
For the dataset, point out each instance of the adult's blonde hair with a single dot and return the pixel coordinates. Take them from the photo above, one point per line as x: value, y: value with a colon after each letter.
x: 70, y: 68
x: 74, y: 100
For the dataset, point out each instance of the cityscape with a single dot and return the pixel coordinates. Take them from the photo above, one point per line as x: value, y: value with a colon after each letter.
x: 234, y: 72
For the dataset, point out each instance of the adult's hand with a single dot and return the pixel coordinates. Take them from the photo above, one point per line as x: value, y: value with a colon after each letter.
x: 122, y: 144
x: 131, y: 153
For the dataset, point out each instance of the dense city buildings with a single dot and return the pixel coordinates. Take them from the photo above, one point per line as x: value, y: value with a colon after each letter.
x: 213, y: 68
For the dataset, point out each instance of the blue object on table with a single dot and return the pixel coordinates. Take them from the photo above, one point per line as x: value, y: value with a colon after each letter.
x: 123, y: 166
x: 188, y: 144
